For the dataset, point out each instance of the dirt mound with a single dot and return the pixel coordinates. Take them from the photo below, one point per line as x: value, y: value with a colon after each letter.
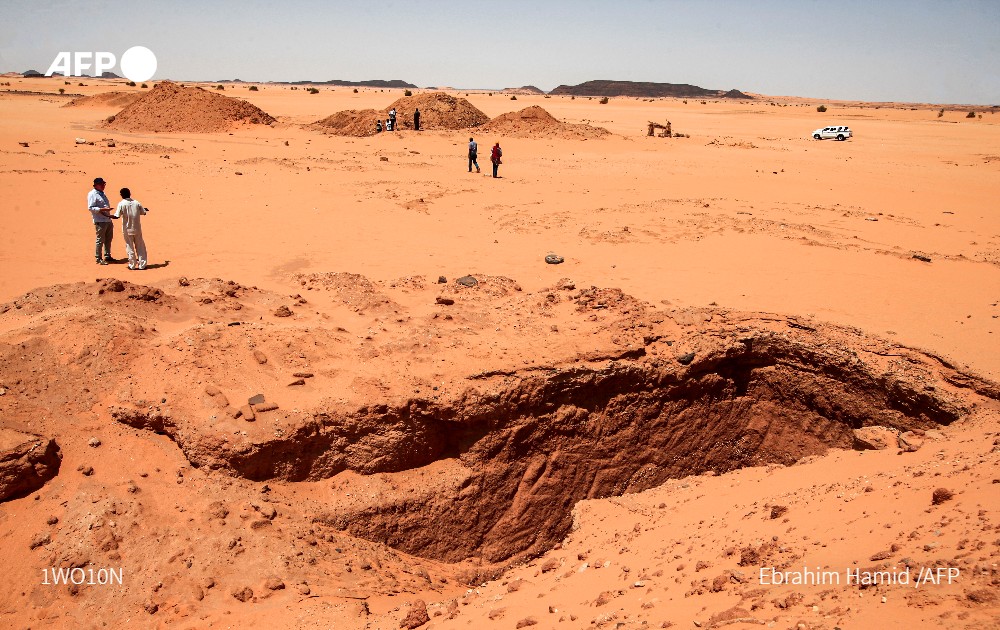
x: 168, y: 107
x: 352, y: 122
x: 438, y: 111
x: 535, y: 122
x: 107, y: 99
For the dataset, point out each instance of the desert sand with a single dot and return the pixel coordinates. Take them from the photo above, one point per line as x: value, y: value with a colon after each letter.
x: 350, y: 392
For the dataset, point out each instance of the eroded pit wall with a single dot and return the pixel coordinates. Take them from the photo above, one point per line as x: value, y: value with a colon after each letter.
x: 540, y: 441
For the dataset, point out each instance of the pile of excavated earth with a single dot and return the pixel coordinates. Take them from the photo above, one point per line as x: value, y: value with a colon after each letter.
x: 170, y: 107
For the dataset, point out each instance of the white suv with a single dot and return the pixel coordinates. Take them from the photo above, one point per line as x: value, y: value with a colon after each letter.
x: 840, y: 133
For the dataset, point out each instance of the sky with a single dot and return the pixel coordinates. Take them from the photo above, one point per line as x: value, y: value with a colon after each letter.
x: 939, y: 51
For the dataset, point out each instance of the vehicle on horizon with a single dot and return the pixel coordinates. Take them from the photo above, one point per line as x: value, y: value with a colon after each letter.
x: 838, y: 133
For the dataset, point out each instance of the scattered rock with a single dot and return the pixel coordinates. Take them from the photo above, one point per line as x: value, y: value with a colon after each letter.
x: 268, y: 406
x: 445, y: 301
x: 283, y: 311
x: 297, y: 382
x: 183, y: 281
x: 274, y: 584
x: 910, y: 442
x: 777, y: 511
x: 23, y: 144
x: 686, y: 359
x: 244, y: 594
x: 94, y: 442
x: 550, y: 565
x: 86, y: 470
x: 922, y: 257
x: 941, y: 495
x: 39, y: 540
x: 874, y: 438
x: 52, y: 520
x: 527, y: 621
x: 417, y: 616
x: 259, y: 357
x: 212, y: 390
x: 246, y: 411
x: 256, y: 399
x: 217, y: 509
x: 150, y: 607
x: 442, y: 280
x: 982, y: 596
x: 302, y: 374
x: 554, y: 259
x: 467, y: 281
x: 383, y: 159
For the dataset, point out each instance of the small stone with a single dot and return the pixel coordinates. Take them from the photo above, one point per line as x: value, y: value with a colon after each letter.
x: 467, y: 281
x: 550, y: 565
x: 383, y: 159
x: 256, y: 399
x: 778, y: 510
x: 131, y: 488
x: 910, y: 442
x: 87, y: 470
x: 445, y: 301
x: 686, y: 359
x: 244, y: 594
x: 150, y: 608
x: 212, y: 390
x: 52, y: 520
x: 283, y: 311
x: 303, y: 589
x: 39, y: 539
x: 274, y: 584
x: 442, y: 280
x: 296, y: 382
x: 183, y: 281
x: 217, y: 509
x: 922, y: 258
x: 527, y: 621
x: 270, y: 406
x: 94, y: 442
x: 247, y: 412
x: 259, y: 357
x: 417, y: 616
x: 941, y: 495
x: 554, y: 259
x: 303, y: 374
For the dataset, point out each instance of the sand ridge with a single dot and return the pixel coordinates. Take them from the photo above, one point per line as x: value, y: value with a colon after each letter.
x: 170, y: 107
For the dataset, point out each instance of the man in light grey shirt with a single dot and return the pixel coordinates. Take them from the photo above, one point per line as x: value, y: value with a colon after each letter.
x: 100, y: 211
x: 129, y: 211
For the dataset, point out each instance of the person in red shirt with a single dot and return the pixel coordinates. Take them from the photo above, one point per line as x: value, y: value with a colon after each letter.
x: 495, y: 158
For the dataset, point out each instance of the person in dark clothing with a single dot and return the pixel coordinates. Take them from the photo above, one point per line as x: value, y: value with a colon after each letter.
x: 416, y: 120
x: 473, y: 154
x: 392, y: 119
x: 378, y: 126
x: 495, y: 158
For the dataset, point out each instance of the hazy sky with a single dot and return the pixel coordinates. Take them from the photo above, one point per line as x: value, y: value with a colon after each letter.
x: 941, y: 51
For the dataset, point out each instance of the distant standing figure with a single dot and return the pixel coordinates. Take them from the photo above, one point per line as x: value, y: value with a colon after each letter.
x: 388, y: 124
x: 100, y: 211
x: 129, y: 210
x: 416, y: 120
x: 495, y: 158
x: 392, y: 119
x: 473, y: 154
x: 378, y: 126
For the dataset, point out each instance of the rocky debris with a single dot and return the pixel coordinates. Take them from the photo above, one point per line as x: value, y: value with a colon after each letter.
x: 297, y: 382
x: 442, y: 280
x: 686, y: 358
x: 922, y: 258
x: 302, y: 374
x: 183, y: 281
x: 256, y: 399
x: 417, y: 616
x: 875, y: 438
x: 266, y: 510
x: 247, y: 413
x: 268, y: 406
x: 94, y: 442
x: 40, y: 539
x: 554, y: 259
x: 777, y: 511
x: 244, y: 594
x: 274, y: 584
x: 941, y: 495
x: 910, y: 441
x: 259, y: 357
x: 217, y: 509
x: 444, y: 301
x: 282, y: 311
x: 27, y: 461
x: 527, y: 621
x: 52, y: 520
x: 467, y: 281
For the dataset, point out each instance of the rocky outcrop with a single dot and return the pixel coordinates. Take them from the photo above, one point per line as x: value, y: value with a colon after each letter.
x: 26, y: 462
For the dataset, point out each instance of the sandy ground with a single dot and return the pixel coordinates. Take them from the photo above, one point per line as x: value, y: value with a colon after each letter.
x: 748, y: 214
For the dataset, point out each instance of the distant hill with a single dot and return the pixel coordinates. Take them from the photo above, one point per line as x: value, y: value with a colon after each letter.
x: 33, y: 73
x: 645, y: 89
x: 527, y: 89
x: 378, y: 83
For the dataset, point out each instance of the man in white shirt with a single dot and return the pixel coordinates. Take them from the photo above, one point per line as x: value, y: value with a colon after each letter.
x: 129, y: 210
x: 100, y: 211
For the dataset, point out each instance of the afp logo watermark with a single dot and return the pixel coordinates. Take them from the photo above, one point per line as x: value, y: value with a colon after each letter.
x: 138, y: 63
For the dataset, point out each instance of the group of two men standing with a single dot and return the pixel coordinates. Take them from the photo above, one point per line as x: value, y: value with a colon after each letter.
x: 128, y: 210
x: 495, y: 156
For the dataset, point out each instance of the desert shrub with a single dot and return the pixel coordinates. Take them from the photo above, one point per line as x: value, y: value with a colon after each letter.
x: 253, y: 88
x: 355, y: 90
x: 407, y: 92
x: 572, y: 98
x: 940, y: 112
x: 62, y: 90
x: 547, y: 96
x: 513, y: 97
x: 81, y: 84
x: 604, y: 100
x: 65, y: 82
x: 110, y: 119
x: 821, y: 108
x: 131, y: 84
x: 313, y: 90
x: 685, y: 102
x: 971, y: 115
x: 146, y: 86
